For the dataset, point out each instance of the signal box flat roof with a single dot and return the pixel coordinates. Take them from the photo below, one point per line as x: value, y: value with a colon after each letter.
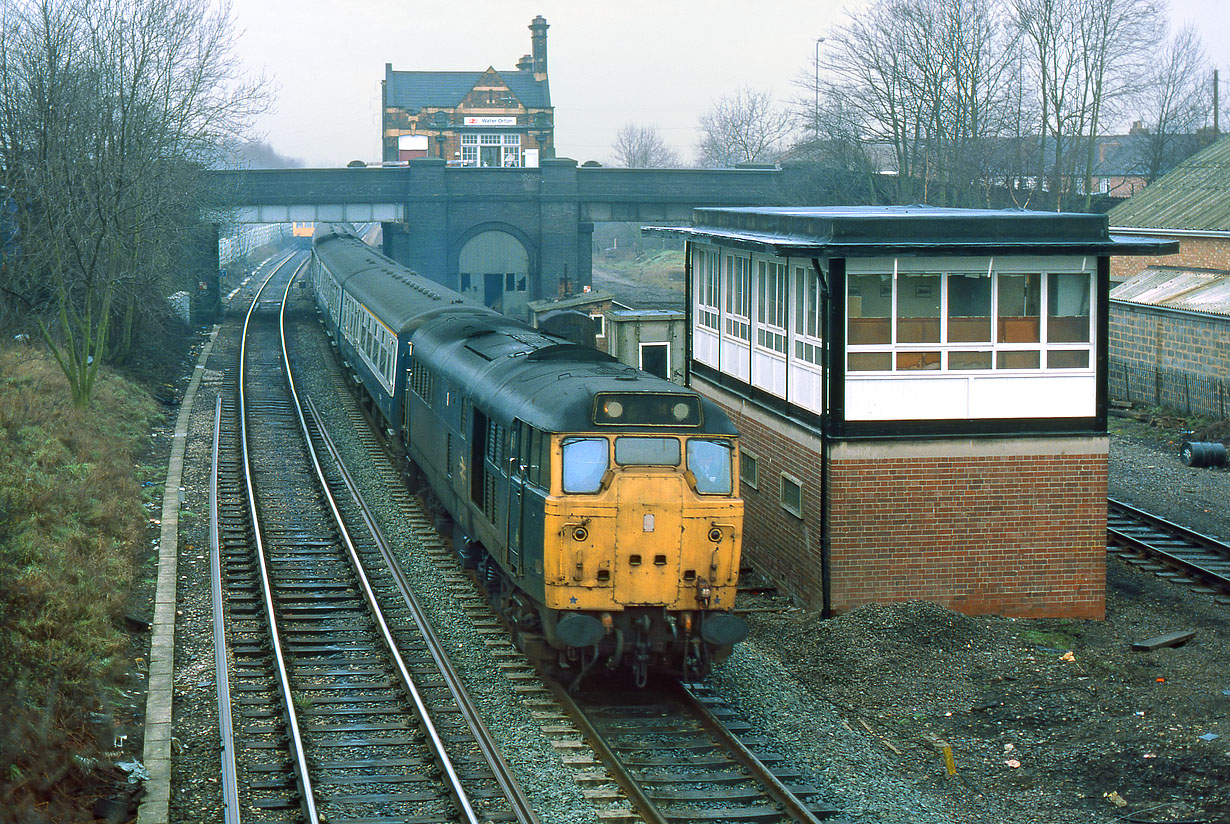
x: 871, y: 231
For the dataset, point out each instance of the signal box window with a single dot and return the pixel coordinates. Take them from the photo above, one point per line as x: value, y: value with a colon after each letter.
x: 749, y: 469
x: 792, y: 495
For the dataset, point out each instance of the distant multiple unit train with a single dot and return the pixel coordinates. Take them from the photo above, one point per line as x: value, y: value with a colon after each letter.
x: 598, y: 503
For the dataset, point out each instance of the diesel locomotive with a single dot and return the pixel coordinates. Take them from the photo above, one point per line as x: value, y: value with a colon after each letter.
x: 597, y: 503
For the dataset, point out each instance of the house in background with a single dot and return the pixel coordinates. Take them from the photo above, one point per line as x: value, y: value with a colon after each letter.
x: 490, y: 118
x: 1190, y: 204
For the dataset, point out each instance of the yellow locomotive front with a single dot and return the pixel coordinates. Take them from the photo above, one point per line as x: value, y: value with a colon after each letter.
x: 641, y: 546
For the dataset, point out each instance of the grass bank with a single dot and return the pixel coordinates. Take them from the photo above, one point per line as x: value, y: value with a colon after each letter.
x: 71, y: 527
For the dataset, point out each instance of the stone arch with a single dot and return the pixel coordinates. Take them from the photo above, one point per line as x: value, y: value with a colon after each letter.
x: 495, y: 266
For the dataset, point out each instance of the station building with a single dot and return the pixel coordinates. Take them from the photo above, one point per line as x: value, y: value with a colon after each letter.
x: 921, y: 397
x: 490, y: 118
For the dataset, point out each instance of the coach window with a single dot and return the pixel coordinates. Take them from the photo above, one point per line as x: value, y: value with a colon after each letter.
x: 585, y: 461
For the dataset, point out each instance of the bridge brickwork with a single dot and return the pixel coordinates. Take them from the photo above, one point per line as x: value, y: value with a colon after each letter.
x: 429, y: 210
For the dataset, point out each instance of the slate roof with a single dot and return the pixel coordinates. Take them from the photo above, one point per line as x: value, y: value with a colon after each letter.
x: 1194, y: 196
x: 1174, y: 287
x: 414, y: 91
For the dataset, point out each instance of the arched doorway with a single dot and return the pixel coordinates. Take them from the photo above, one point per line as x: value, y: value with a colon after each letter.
x: 494, y: 268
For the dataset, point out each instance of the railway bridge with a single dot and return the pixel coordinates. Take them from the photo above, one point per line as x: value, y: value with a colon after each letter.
x: 505, y: 236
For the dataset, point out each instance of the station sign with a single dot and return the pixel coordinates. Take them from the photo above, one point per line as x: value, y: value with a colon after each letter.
x: 490, y: 121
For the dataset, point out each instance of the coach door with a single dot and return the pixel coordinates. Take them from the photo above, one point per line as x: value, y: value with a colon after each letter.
x: 518, y: 464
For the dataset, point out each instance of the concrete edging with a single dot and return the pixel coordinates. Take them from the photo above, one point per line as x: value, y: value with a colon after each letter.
x: 155, y: 805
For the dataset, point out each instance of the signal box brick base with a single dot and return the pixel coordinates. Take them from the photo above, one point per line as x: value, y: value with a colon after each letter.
x: 1004, y: 526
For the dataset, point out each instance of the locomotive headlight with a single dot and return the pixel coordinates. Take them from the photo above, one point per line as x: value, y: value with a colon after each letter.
x: 613, y: 409
x: 580, y: 533
x: 680, y: 411
x: 715, y: 535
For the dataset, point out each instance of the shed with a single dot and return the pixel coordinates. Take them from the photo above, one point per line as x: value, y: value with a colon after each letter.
x: 1170, y: 340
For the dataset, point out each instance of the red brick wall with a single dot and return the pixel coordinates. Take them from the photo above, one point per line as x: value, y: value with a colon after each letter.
x: 1013, y: 527
x: 1198, y: 252
x: 1020, y: 535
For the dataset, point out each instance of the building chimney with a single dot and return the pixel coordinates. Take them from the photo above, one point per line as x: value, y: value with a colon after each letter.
x: 525, y: 64
x: 538, y: 46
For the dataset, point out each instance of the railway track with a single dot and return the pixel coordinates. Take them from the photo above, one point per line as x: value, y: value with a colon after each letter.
x: 337, y: 717
x: 682, y: 755
x: 1169, y: 550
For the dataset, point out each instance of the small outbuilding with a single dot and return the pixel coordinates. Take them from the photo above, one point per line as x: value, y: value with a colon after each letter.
x: 921, y: 395
x: 649, y: 339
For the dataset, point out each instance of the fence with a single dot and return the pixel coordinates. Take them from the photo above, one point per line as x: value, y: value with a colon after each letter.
x: 1186, y: 393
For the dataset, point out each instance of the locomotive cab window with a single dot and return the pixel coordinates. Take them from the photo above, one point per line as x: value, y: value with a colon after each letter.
x: 710, y: 462
x: 585, y: 461
x: 647, y: 451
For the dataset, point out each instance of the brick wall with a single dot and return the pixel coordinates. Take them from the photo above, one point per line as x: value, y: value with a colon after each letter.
x: 1145, y: 337
x: 1014, y: 527
x: 1197, y: 252
x: 1008, y: 534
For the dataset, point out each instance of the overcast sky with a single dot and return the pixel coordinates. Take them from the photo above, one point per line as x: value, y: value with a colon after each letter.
x: 651, y: 62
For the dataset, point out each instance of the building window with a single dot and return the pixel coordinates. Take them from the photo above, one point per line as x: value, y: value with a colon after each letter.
x: 960, y: 321
x: 705, y: 275
x: 749, y: 469
x: 792, y: 495
x: 738, y: 297
x: 599, y: 320
x: 808, y: 345
x: 491, y: 150
x: 771, y: 305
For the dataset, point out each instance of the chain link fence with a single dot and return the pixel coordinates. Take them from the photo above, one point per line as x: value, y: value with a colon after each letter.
x: 1183, y: 392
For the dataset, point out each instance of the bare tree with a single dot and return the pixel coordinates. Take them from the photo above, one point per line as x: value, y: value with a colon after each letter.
x: 1174, y: 102
x: 642, y: 147
x: 746, y: 127
x: 109, y: 112
x: 1085, y: 56
x: 928, y: 79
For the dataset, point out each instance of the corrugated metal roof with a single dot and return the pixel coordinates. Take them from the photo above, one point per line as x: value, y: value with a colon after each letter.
x: 1195, y: 195
x: 1170, y: 287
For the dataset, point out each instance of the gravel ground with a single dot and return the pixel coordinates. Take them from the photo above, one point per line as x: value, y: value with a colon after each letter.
x: 865, y: 702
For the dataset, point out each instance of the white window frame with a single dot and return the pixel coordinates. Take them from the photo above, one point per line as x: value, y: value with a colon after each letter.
x: 772, y: 304
x: 708, y: 295
x: 1044, y: 268
x: 808, y: 306
x: 737, y: 269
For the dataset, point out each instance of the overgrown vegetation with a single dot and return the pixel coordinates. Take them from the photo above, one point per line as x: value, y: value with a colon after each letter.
x: 71, y: 526
x: 109, y: 115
